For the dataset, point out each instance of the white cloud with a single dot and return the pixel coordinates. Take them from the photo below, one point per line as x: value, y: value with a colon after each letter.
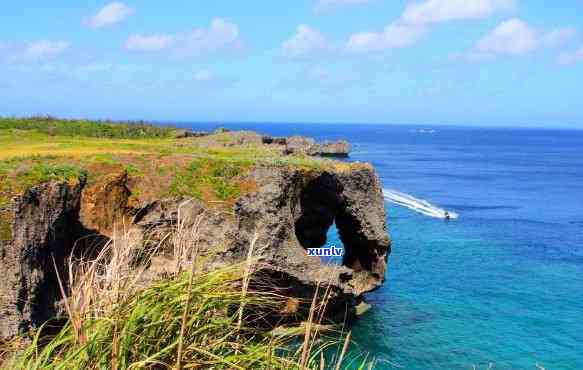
x: 511, y: 37
x: 437, y: 11
x: 306, y: 43
x: 45, y: 49
x: 110, y: 14
x: 220, y: 36
x: 416, y: 20
x: 148, y: 43
x: 395, y: 35
x: 324, y: 5
x: 515, y: 37
x: 559, y: 37
x: 32, y: 52
x: 571, y: 57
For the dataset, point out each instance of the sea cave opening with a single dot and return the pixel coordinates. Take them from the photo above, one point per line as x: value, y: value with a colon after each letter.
x: 322, y: 220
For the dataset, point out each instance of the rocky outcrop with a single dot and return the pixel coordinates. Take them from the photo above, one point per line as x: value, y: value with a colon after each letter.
x: 44, y: 230
x: 274, y: 140
x: 106, y: 204
x: 328, y: 149
x: 296, y: 209
x: 289, y: 211
x: 287, y: 145
x: 309, y: 146
x: 184, y: 133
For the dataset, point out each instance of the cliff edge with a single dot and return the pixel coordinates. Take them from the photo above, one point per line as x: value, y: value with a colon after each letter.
x: 280, y: 209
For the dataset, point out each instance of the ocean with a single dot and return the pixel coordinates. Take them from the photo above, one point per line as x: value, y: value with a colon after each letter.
x: 501, y: 285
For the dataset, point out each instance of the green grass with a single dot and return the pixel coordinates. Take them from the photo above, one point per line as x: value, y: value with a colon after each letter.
x: 6, y: 166
x: 39, y: 149
x: 85, y: 128
x: 132, y: 170
x: 41, y: 172
x: 22, y: 138
x: 145, y: 330
x: 217, y: 175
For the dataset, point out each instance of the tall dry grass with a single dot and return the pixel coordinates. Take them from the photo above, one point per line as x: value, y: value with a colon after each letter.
x: 121, y: 318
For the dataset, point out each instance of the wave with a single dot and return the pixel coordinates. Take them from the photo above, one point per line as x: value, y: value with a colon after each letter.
x: 423, y: 131
x: 417, y: 205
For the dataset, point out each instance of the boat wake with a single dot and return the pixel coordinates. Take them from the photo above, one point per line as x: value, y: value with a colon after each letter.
x: 417, y: 205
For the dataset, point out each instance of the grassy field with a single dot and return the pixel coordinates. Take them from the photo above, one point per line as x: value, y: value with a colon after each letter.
x: 36, y: 150
x: 49, y: 149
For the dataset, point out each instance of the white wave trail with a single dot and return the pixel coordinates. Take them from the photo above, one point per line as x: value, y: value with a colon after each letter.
x: 417, y: 205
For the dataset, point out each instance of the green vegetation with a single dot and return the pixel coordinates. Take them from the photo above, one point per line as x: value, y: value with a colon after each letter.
x: 41, y: 172
x: 38, y: 149
x: 142, y: 331
x: 218, y: 176
x: 58, y: 127
x: 132, y: 170
x: 188, y: 319
x: 22, y: 178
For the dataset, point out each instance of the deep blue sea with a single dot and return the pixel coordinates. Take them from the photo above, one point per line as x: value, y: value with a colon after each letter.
x: 503, y: 283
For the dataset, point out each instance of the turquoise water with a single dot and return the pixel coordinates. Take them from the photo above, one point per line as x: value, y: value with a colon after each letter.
x: 501, y: 285
x: 456, y: 298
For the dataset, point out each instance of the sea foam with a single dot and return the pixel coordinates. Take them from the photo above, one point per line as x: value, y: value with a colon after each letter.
x: 417, y: 205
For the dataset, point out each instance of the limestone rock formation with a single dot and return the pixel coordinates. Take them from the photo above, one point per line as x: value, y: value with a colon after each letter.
x: 287, y: 145
x: 289, y: 211
x: 331, y: 149
x: 183, y: 133
x: 45, y: 228
x: 309, y: 146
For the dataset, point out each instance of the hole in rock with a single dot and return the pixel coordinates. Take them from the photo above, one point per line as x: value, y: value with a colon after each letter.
x: 319, y: 204
x: 333, y: 239
x: 322, y: 219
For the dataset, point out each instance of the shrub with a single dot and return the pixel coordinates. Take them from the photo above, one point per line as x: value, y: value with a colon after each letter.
x: 98, y: 129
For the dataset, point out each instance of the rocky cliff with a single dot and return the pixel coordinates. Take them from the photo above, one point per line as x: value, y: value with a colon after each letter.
x: 286, y: 211
x: 45, y: 228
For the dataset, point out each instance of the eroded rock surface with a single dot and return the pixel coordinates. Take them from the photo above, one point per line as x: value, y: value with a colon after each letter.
x: 289, y: 211
x: 292, y: 211
x: 331, y: 149
x: 106, y: 204
x: 45, y: 228
x: 287, y: 145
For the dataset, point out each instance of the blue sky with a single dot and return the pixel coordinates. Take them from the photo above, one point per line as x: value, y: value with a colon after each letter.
x: 467, y: 62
